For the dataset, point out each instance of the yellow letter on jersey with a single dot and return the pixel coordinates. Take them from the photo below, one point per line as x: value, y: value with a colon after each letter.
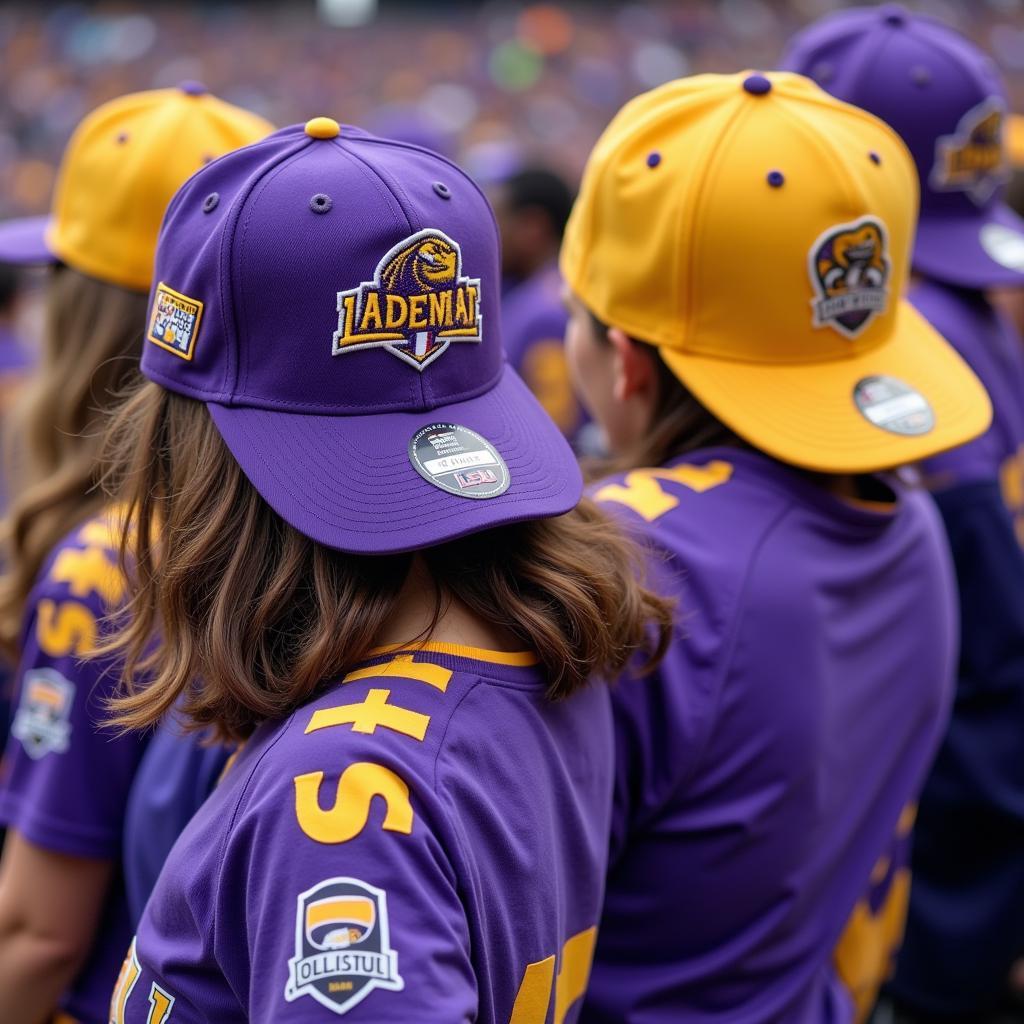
x: 641, y: 492
x: 373, y: 711
x: 89, y: 572
x: 358, y: 785
x: 65, y: 628
x: 534, y: 995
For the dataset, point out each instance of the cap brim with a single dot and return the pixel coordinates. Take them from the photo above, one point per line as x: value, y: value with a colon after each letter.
x: 806, y: 415
x: 954, y: 249
x: 348, y: 482
x: 23, y: 241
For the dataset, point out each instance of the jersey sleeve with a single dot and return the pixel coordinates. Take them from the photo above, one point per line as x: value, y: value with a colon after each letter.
x: 340, y: 877
x: 65, y: 776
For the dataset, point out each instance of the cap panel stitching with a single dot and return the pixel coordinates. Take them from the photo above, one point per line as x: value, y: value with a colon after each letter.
x: 693, y: 202
x: 242, y: 205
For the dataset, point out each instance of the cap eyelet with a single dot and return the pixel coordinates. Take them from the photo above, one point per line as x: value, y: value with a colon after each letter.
x: 210, y: 202
x: 442, y: 190
x: 920, y: 75
x: 776, y: 179
x: 874, y: 157
x: 321, y: 203
x: 122, y: 138
x: 653, y: 159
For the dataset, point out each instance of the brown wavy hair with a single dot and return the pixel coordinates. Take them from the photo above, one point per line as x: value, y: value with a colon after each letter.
x: 679, y: 422
x: 90, y: 351
x: 263, y: 616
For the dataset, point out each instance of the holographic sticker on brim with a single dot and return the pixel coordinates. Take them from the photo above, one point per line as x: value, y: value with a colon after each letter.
x: 1004, y: 245
x: 889, y: 404
x: 458, y: 460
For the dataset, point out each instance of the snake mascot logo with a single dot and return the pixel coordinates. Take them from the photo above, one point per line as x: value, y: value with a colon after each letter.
x: 849, y: 269
x: 417, y: 304
x: 342, y: 947
x: 972, y: 159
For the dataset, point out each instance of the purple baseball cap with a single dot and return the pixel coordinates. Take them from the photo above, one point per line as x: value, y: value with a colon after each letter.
x: 947, y: 100
x: 333, y: 298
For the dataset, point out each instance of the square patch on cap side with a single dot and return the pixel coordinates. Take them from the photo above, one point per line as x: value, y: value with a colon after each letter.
x: 174, y: 322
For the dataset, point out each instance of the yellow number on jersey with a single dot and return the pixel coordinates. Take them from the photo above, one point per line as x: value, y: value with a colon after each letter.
x: 534, y: 996
x: 641, y: 492
x: 358, y: 785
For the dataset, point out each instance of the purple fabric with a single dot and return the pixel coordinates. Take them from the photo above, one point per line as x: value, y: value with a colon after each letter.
x: 504, y: 863
x: 65, y: 778
x: 325, y: 436
x: 533, y: 320
x: 762, y: 770
x: 23, y: 241
x: 993, y: 349
x: 933, y: 87
x: 14, y: 354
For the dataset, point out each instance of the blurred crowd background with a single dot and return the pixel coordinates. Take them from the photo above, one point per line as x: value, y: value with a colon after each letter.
x: 494, y: 84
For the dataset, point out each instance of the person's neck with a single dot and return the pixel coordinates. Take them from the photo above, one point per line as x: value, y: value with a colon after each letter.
x: 457, y: 623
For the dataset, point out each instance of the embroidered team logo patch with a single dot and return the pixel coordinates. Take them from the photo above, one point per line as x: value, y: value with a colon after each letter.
x: 342, y: 948
x: 175, y: 321
x: 417, y: 304
x: 42, y: 721
x: 849, y: 269
x: 972, y: 159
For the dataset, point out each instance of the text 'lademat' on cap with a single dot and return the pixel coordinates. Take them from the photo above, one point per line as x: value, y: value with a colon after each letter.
x: 946, y: 100
x: 757, y: 231
x: 333, y: 298
x: 119, y: 171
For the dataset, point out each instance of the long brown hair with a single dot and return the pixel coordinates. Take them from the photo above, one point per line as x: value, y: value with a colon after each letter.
x: 90, y: 350
x: 252, y: 616
x: 679, y: 423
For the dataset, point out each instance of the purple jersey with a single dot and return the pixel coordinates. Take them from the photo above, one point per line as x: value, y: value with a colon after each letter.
x: 66, y: 778
x: 425, y: 842
x: 533, y: 319
x: 965, y: 927
x: 766, y: 766
x: 992, y: 347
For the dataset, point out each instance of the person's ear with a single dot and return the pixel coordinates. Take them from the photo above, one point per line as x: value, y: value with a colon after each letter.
x: 634, y: 367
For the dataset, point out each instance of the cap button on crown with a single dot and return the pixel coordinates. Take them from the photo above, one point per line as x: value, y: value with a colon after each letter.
x: 323, y: 128
x: 757, y: 85
x: 191, y: 88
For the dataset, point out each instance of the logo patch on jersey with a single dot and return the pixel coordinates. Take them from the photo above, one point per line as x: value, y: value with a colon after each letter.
x: 417, y: 304
x: 342, y: 947
x: 849, y: 269
x: 43, y: 720
x: 175, y: 321
x: 972, y: 159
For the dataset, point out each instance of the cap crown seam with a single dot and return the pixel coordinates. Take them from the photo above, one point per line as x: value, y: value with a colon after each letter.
x: 234, y: 240
x: 693, y: 211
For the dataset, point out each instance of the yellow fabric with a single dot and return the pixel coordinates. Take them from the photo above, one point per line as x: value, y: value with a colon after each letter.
x: 701, y: 256
x: 1015, y: 140
x: 122, y: 166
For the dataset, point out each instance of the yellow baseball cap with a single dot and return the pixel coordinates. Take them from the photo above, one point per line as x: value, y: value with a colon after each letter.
x: 758, y: 232
x: 122, y: 166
